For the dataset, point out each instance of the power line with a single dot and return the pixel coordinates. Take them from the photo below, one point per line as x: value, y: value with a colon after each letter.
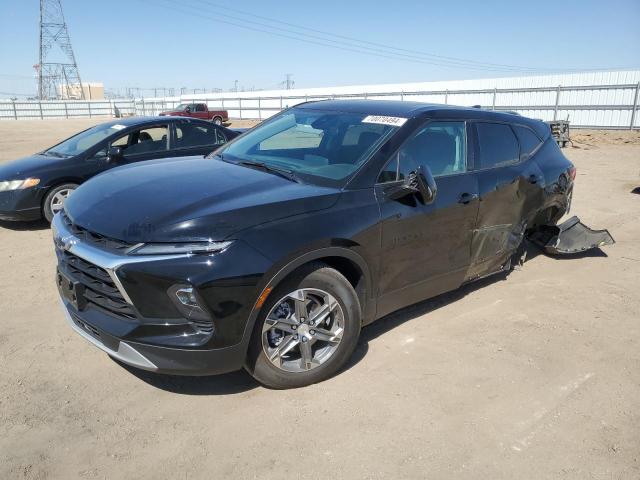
x: 300, y: 37
x: 441, y: 60
x: 392, y: 50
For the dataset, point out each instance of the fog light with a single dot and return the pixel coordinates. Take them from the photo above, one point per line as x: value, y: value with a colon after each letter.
x: 187, y: 301
x: 187, y: 297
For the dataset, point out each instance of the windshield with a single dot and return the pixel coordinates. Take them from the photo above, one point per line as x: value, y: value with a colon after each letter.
x: 182, y: 107
x: 323, y: 147
x: 84, y: 140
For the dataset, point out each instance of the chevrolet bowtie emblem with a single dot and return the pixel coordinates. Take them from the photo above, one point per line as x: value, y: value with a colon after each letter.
x: 65, y: 243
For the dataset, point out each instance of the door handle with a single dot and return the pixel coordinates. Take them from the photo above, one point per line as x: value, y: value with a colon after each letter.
x: 533, y: 179
x: 466, y: 198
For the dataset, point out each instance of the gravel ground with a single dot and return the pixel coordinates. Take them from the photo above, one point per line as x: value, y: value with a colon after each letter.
x: 534, y: 375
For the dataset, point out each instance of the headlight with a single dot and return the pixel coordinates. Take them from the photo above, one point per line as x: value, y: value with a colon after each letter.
x: 18, y: 184
x: 177, y: 248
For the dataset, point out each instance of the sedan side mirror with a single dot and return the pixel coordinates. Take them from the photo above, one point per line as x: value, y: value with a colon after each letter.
x: 419, y: 182
x: 114, y: 154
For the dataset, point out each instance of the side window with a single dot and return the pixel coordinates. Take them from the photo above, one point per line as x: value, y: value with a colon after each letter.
x: 221, y: 138
x: 147, y: 140
x: 121, y: 142
x: 195, y: 135
x: 529, y: 141
x: 200, y: 107
x: 497, y: 144
x: 440, y: 145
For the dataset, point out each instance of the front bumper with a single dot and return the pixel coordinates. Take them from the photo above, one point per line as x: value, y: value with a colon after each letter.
x: 20, y: 205
x: 144, y: 329
x: 158, y: 359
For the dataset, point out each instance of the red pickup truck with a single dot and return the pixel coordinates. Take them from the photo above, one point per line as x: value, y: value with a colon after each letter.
x: 198, y: 110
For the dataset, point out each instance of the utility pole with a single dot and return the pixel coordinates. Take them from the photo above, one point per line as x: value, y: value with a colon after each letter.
x: 235, y: 88
x: 289, y: 82
x: 58, y: 75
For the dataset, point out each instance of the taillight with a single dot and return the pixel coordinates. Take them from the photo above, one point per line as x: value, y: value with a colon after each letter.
x: 572, y: 172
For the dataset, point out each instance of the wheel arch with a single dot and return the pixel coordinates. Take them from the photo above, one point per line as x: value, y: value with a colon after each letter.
x: 346, y: 261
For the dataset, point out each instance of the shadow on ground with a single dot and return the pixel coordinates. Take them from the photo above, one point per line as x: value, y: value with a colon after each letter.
x: 226, y: 384
x: 238, y: 382
x: 25, y: 226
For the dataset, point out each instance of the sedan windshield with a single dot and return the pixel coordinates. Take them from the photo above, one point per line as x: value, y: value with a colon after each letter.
x: 84, y: 140
x: 323, y: 147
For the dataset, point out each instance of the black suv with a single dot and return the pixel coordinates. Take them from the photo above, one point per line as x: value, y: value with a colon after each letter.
x: 273, y: 254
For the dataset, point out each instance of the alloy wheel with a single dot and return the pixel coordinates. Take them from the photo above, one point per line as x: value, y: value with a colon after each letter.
x: 303, y: 330
x: 57, y: 202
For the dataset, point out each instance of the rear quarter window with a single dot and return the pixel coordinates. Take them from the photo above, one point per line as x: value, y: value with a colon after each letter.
x: 529, y: 141
x: 497, y: 145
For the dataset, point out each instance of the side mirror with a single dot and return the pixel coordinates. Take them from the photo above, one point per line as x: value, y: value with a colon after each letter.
x: 426, y: 184
x: 419, y: 182
x: 114, y: 154
x: 188, y: 109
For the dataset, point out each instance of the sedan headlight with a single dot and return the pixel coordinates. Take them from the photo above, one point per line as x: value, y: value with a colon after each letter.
x: 18, y: 184
x: 178, y: 248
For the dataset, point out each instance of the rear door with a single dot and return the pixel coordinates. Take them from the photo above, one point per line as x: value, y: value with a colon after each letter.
x: 509, y: 182
x: 426, y: 248
x: 196, y: 138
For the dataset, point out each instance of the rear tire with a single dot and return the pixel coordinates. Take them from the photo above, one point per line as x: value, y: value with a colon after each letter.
x: 54, y: 200
x: 287, y: 353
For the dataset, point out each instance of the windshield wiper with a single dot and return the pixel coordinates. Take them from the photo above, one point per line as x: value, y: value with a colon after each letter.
x: 53, y: 154
x: 282, y: 172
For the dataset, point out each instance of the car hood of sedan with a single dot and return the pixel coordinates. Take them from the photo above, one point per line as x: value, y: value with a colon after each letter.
x: 188, y: 199
x: 28, y: 167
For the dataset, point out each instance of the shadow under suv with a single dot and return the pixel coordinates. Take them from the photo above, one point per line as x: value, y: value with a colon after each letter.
x: 273, y: 253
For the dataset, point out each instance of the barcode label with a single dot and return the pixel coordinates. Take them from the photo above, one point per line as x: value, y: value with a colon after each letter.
x: 384, y: 120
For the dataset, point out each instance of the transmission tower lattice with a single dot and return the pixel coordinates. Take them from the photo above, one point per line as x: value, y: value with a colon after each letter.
x: 58, y: 75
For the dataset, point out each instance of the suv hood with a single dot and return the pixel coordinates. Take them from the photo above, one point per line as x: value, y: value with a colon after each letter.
x: 188, y: 199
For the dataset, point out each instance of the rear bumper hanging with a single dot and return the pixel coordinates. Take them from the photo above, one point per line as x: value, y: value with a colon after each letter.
x: 570, y: 237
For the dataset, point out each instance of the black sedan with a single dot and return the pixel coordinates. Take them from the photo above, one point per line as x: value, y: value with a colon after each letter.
x: 37, y: 186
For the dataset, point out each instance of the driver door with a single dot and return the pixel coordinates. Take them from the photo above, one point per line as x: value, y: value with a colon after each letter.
x: 425, y: 248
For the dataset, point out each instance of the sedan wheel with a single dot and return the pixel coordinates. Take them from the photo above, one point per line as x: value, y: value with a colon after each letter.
x: 55, y: 199
x: 57, y: 202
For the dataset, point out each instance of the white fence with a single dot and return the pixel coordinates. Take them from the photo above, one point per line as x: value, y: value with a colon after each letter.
x: 598, y: 100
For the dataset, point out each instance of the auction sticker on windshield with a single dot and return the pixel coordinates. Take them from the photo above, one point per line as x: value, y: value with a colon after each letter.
x: 384, y: 120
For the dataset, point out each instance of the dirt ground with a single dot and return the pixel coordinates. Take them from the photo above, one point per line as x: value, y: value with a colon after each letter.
x: 531, y: 376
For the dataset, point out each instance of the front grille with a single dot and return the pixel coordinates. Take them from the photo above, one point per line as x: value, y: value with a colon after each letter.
x: 99, y: 288
x: 100, y: 241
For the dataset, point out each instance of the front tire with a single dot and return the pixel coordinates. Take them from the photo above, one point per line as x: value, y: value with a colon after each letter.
x: 217, y: 120
x: 307, y: 329
x: 54, y: 200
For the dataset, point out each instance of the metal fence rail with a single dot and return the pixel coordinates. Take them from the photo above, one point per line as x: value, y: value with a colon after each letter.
x: 600, y: 106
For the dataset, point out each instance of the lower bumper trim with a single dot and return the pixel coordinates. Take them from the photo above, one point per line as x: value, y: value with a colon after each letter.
x: 125, y: 352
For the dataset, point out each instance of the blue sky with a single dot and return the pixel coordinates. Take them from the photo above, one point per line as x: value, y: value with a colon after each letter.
x: 169, y: 43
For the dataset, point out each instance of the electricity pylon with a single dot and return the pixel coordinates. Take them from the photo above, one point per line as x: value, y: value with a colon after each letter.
x: 58, y: 75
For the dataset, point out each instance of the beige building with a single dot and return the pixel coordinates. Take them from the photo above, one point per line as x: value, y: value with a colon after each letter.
x: 92, y: 91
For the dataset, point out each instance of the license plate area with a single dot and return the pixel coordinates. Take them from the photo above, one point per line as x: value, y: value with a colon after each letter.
x: 71, y: 290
